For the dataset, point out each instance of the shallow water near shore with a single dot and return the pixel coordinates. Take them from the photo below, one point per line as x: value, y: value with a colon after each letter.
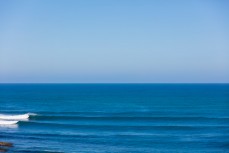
x: 116, y: 118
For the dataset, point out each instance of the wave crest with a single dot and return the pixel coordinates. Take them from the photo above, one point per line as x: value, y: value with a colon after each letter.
x: 14, y: 117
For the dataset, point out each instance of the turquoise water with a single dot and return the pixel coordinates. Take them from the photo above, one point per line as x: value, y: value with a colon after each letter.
x: 117, y: 118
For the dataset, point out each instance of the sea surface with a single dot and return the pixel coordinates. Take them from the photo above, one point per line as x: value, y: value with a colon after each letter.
x: 116, y: 118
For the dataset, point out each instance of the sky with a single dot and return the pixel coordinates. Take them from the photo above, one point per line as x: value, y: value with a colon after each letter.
x: 114, y: 41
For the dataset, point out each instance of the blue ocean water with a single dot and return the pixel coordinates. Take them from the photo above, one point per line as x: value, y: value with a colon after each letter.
x: 117, y: 118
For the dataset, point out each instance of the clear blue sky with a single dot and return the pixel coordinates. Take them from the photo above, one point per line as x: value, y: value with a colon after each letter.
x: 114, y: 41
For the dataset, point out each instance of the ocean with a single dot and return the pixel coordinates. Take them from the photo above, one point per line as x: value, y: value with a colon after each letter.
x: 115, y: 118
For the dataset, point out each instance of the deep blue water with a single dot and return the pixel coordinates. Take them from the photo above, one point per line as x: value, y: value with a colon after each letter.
x: 117, y: 118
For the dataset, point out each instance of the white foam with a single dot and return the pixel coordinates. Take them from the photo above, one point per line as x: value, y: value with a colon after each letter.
x: 3, y: 122
x: 8, y: 126
x: 32, y: 114
x: 14, y: 117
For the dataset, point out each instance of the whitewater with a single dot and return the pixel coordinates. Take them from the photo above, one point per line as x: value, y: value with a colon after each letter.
x: 13, y: 119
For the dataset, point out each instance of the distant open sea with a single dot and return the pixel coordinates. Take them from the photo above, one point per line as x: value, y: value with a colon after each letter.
x: 116, y: 118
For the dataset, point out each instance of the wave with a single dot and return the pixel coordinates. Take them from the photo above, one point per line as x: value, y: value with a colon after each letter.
x: 120, y: 127
x: 125, y: 118
x: 16, y: 117
x: 8, y: 120
x: 3, y: 122
x: 46, y: 134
